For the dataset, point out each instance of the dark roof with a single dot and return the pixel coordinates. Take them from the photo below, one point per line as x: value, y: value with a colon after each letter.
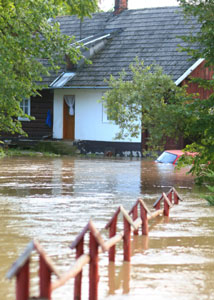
x: 151, y: 34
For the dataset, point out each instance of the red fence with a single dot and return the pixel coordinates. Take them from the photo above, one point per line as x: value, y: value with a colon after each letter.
x: 138, y: 217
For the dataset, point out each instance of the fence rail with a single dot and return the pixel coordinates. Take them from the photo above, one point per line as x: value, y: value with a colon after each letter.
x: 137, y: 217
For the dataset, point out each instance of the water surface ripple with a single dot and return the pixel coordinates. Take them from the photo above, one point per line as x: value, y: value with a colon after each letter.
x: 53, y: 199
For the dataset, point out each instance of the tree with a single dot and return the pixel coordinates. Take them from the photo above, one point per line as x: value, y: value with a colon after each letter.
x: 28, y: 40
x: 201, y: 122
x: 203, y: 11
x: 81, y: 8
x: 149, y: 100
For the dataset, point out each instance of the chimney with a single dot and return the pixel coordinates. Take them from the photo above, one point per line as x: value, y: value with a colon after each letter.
x: 120, y: 5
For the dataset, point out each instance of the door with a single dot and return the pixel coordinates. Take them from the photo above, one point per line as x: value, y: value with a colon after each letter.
x: 68, y: 117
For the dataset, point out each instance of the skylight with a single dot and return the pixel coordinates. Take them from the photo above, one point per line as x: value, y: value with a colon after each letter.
x: 62, y: 79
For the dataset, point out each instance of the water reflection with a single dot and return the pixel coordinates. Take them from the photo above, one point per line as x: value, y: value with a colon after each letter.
x: 53, y: 199
x: 160, y: 177
x: 69, y: 177
x: 119, y: 276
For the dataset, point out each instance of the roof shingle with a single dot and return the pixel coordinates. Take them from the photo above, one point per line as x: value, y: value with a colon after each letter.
x: 151, y: 34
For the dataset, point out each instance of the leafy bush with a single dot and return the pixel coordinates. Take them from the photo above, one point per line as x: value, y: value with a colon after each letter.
x: 210, y: 180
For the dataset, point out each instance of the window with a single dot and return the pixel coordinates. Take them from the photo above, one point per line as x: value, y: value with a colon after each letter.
x: 70, y: 101
x: 25, y: 106
x: 167, y: 158
x: 105, y: 116
x: 62, y: 79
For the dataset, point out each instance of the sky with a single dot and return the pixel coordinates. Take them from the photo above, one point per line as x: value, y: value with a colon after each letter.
x: 132, y: 4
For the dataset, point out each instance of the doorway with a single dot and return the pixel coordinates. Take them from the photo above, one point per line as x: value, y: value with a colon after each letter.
x: 69, y: 117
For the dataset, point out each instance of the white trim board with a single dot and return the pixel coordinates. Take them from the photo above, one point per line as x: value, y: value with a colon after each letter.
x: 189, y: 71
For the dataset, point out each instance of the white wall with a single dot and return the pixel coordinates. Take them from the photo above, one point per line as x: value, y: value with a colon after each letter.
x: 58, y: 115
x: 90, y: 124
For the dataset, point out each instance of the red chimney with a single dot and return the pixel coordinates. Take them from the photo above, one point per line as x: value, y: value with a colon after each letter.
x: 120, y: 5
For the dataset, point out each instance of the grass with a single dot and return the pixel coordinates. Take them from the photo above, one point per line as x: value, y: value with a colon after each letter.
x: 42, y: 148
x: 25, y: 152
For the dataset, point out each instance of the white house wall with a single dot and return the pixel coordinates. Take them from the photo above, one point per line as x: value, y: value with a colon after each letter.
x: 90, y: 121
x: 57, y: 115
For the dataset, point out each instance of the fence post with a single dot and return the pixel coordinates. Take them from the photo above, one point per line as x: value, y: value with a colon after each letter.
x: 127, y: 222
x: 126, y: 240
x: 143, y: 214
x: 167, y: 205
x: 135, y: 216
x: 78, y: 278
x: 23, y: 282
x: 112, y: 232
x: 45, y: 279
x: 170, y: 196
x: 112, y: 225
x: 93, y: 268
x: 46, y: 268
x: 95, y: 241
x: 176, y: 197
x: 166, y: 208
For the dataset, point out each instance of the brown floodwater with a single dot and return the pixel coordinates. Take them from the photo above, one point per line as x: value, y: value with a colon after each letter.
x: 52, y: 199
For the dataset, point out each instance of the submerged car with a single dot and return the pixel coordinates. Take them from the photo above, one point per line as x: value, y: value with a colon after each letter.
x: 172, y: 156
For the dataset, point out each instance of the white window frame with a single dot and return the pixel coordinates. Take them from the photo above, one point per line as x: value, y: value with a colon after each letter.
x: 28, y: 106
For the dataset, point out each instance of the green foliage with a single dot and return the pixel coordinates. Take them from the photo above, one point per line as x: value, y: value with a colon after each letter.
x: 28, y: 40
x: 203, y: 10
x: 149, y: 101
x: 199, y: 128
x: 209, y: 178
x: 2, y: 153
x: 11, y: 152
x: 81, y: 8
x: 60, y: 148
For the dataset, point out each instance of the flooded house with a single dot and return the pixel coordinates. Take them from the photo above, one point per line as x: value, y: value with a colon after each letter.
x: 69, y: 109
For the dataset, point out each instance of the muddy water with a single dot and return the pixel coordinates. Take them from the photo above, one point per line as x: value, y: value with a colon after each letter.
x: 53, y: 199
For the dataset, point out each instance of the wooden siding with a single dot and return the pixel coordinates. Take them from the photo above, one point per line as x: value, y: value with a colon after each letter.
x: 200, y: 72
x: 39, y: 109
x: 172, y: 144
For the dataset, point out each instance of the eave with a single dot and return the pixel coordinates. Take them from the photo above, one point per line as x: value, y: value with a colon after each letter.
x: 189, y: 71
